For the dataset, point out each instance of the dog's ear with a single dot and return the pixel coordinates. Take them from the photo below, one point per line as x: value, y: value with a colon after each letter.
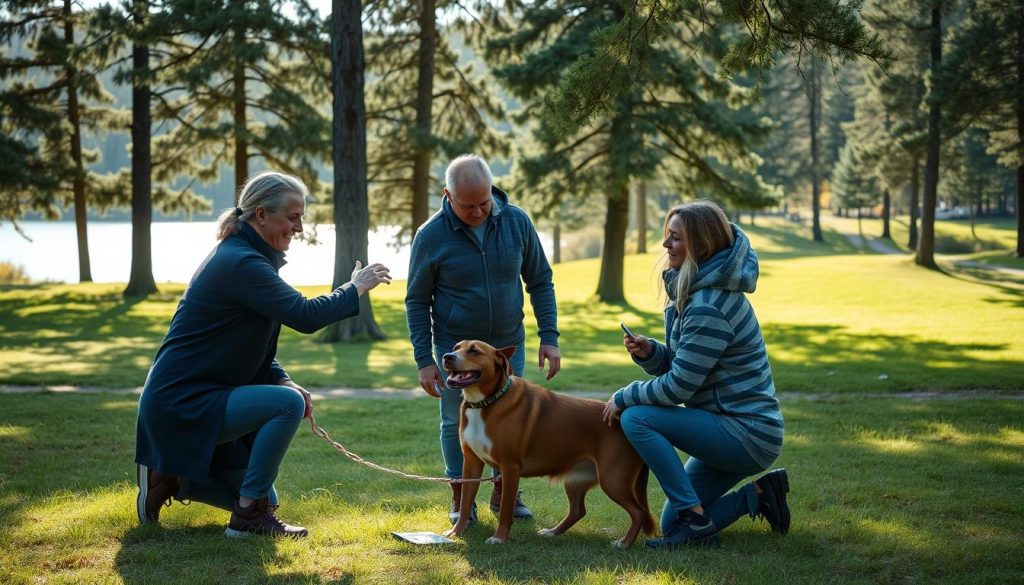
x: 504, y: 357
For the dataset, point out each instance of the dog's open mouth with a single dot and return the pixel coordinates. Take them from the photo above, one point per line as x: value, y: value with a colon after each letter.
x: 462, y: 379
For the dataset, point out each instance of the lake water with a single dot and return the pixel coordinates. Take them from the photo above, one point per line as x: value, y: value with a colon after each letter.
x: 178, y: 248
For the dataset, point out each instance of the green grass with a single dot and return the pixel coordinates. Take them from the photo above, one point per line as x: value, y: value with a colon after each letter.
x: 883, y: 490
x: 835, y: 318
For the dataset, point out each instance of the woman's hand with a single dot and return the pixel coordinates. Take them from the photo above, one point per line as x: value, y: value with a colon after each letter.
x: 611, y: 412
x: 305, y: 396
x: 365, y: 279
x: 638, y: 345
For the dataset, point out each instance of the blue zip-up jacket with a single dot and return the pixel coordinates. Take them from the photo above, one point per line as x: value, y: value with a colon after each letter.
x: 461, y: 289
x: 715, y: 358
x: 223, y: 335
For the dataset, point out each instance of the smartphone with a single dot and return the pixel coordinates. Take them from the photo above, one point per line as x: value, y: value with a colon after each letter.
x: 626, y: 329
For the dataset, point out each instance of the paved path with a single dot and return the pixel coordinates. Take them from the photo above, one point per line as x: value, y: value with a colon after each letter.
x: 405, y: 394
x: 882, y: 246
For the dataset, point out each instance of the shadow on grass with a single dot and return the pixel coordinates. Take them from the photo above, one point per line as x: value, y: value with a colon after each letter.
x: 176, y: 557
x: 883, y: 491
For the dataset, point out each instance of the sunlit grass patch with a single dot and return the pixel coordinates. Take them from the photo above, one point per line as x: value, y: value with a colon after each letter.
x: 883, y: 490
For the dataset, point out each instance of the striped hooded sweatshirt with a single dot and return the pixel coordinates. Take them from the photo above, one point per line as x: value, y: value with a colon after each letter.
x: 714, y: 357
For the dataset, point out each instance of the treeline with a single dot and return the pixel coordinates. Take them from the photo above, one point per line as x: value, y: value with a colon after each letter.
x: 725, y: 99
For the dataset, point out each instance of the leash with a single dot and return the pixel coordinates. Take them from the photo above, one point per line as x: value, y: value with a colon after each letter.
x: 320, y: 432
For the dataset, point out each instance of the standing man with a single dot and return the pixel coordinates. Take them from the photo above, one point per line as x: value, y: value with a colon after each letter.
x: 466, y: 274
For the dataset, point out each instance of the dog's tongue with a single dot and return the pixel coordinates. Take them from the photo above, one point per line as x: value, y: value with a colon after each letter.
x: 460, y: 378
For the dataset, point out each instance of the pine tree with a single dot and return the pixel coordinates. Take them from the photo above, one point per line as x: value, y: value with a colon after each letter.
x: 51, y: 94
x: 351, y: 211
x: 900, y: 89
x: 137, y: 41
x: 853, y: 185
x: 423, y: 101
x: 679, y: 119
x: 250, y: 80
x: 985, y: 84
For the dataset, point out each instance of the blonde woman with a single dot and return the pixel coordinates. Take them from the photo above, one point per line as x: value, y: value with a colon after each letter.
x: 218, y: 411
x: 712, y: 396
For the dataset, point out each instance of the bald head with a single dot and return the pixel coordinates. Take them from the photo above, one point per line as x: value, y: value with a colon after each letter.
x: 468, y: 171
x: 468, y: 189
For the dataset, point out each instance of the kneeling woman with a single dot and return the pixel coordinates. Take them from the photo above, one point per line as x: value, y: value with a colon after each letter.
x: 218, y: 411
x: 713, y: 395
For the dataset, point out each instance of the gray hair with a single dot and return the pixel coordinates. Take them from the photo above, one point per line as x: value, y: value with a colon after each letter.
x: 269, y: 190
x: 467, y: 169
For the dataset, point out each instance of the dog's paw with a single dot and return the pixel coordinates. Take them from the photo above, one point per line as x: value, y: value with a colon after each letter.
x: 451, y: 533
x: 620, y: 544
x: 494, y: 540
x: 549, y: 532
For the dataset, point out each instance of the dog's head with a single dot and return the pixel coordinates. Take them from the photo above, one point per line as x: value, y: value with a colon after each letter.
x: 473, y: 362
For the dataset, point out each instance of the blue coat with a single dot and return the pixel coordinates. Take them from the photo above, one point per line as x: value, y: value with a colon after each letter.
x: 460, y: 288
x: 223, y: 335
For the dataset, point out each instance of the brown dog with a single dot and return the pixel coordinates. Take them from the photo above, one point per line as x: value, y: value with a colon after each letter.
x: 524, y: 430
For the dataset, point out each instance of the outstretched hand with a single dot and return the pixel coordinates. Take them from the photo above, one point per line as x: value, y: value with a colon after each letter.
x: 365, y: 279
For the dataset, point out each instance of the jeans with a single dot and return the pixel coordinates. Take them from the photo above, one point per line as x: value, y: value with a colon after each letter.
x: 451, y: 404
x: 717, y: 461
x: 270, y: 415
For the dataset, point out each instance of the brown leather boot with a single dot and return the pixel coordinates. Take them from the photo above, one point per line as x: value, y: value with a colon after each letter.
x: 260, y: 518
x: 521, y: 511
x: 454, y: 513
x: 155, y: 491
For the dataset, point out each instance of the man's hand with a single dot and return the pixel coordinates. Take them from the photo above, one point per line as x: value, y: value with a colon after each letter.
x: 305, y: 395
x: 431, y: 380
x: 365, y: 279
x: 638, y: 345
x: 611, y: 411
x: 550, y: 353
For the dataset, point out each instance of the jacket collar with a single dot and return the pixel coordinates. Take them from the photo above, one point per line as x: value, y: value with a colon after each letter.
x: 458, y: 224
x: 250, y: 235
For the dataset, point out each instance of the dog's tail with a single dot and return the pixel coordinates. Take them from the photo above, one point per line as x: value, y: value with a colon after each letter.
x: 641, y: 496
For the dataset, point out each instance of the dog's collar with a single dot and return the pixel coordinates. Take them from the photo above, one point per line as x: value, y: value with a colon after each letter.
x: 493, y: 397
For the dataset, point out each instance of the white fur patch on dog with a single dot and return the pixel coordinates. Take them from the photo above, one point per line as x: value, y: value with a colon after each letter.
x: 475, y: 435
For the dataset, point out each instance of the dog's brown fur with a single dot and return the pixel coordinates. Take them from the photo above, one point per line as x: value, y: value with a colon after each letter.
x: 533, y: 432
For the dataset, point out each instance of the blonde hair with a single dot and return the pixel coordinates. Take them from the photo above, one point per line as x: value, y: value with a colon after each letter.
x: 269, y: 190
x: 705, y: 232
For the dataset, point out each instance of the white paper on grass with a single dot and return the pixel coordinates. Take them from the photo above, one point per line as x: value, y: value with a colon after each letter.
x: 422, y: 538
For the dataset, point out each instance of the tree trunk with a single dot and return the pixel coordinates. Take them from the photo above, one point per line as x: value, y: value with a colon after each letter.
x: 613, y: 252
x: 348, y: 133
x: 421, y: 141
x: 641, y: 217
x: 915, y: 189
x: 753, y: 214
x: 241, y: 131
x: 926, y: 250
x: 1020, y: 142
x: 556, y: 242
x: 815, y: 115
x: 141, y: 281
x: 886, y: 211
x: 78, y: 180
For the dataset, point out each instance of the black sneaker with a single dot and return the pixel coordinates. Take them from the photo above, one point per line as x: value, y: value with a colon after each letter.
x: 772, y: 504
x: 689, y: 529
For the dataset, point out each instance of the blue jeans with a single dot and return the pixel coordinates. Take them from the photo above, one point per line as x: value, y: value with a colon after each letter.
x: 451, y: 403
x: 717, y: 461
x: 270, y: 415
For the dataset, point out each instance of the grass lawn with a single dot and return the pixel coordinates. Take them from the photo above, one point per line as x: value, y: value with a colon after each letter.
x: 883, y: 490
x: 835, y: 319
